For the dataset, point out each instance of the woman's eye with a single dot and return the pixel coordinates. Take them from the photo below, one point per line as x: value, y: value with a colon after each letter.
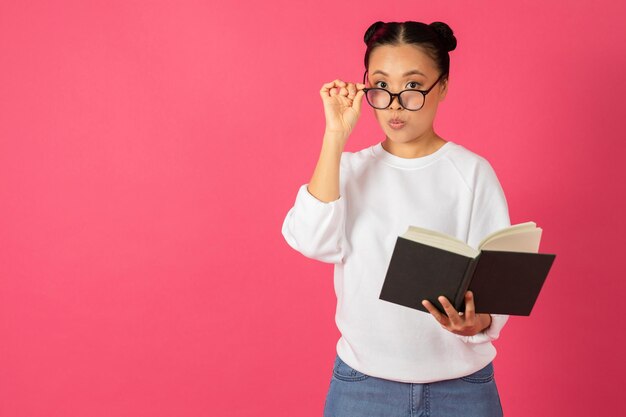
x: 412, y: 84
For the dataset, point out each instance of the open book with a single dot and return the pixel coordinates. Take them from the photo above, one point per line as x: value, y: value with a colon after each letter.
x: 505, y: 273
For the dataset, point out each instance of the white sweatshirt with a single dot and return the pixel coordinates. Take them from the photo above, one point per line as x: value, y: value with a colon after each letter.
x: 452, y: 190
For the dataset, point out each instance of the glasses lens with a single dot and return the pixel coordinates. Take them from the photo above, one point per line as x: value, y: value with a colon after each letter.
x: 378, y: 98
x: 412, y: 100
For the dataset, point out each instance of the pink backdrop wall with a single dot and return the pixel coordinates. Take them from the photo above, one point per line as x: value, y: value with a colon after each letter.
x: 149, y: 151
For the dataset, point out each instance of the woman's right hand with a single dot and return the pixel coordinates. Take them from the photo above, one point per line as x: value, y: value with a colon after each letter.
x: 342, y: 108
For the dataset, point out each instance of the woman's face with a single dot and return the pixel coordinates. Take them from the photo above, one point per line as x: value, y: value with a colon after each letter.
x: 387, y: 67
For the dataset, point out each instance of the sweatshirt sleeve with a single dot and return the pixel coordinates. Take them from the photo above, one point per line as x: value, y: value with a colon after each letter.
x: 489, y: 213
x: 316, y: 228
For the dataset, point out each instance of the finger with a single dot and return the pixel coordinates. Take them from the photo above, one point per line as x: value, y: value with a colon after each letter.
x: 335, y: 83
x: 453, y: 315
x: 327, y: 88
x: 470, y: 310
x: 433, y: 310
x: 351, y: 90
x: 358, y: 99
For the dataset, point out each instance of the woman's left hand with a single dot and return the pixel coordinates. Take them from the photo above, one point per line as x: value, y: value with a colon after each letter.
x: 464, y: 324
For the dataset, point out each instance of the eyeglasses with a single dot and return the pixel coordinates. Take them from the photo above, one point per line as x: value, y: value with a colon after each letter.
x: 412, y: 100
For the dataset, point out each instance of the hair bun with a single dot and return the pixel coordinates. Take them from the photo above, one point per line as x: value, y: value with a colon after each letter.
x: 445, y: 34
x: 371, y: 30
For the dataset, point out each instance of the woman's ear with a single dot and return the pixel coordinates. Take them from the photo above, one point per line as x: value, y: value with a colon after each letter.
x: 443, y: 89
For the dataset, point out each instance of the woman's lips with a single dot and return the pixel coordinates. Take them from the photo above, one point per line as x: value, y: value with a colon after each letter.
x: 396, y: 124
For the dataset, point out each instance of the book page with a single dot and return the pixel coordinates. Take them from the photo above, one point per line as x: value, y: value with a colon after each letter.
x: 522, y: 237
x: 439, y: 240
x: 514, y: 228
x: 523, y: 241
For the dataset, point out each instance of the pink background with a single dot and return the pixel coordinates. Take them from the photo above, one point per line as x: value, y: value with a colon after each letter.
x: 149, y: 151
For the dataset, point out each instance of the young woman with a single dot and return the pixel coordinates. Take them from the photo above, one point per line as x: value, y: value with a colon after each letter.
x: 392, y: 360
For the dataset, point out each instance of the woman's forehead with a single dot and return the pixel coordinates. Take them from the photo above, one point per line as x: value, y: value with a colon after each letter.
x: 399, y: 61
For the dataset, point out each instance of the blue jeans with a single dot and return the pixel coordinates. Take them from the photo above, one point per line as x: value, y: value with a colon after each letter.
x: 355, y: 394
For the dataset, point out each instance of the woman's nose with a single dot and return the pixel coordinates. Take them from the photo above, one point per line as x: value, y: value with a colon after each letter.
x: 395, y: 103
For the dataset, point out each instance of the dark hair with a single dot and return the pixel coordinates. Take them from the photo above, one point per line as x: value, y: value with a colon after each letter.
x: 436, y: 39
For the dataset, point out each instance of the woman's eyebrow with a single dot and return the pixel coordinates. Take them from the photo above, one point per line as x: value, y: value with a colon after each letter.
x: 404, y: 75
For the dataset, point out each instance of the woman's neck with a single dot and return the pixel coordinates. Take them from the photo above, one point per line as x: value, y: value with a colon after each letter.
x: 416, y: 148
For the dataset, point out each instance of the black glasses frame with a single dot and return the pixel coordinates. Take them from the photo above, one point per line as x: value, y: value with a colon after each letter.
x: 399, y: 95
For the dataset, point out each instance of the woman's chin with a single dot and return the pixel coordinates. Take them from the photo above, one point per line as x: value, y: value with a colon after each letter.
x: 398, y: 137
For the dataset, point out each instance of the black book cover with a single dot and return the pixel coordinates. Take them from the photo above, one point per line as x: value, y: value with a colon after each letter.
x: 502, y: 282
